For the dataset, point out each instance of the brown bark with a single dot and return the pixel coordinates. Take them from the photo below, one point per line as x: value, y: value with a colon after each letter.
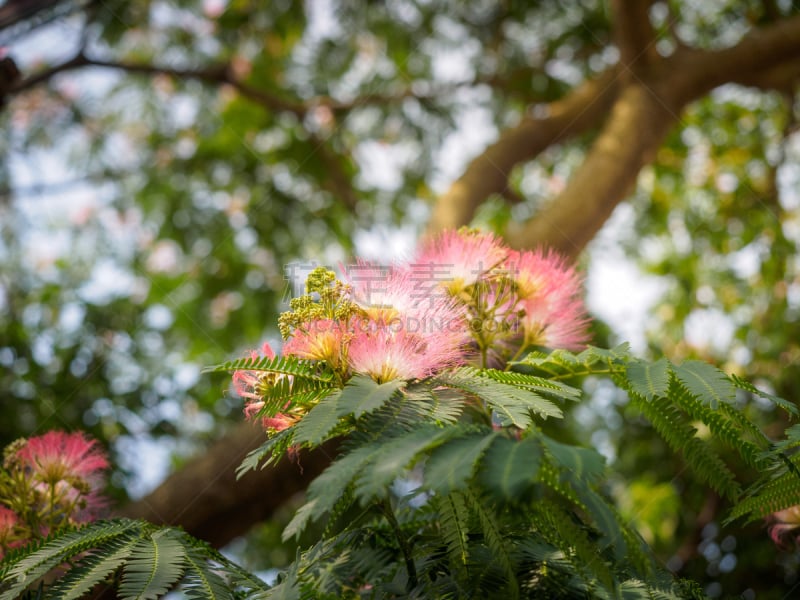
x: 215, y: 74
x: 205, y: 498
x: 637, y: 126
x: 488, y: 173
x: 633, y: 35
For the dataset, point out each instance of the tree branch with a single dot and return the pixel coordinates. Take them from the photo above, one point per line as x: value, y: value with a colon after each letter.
x: 221, y: 74
x: 488, y: 174
x: 781, y: 78
x: 206, y: 499
x: 216, y: 74
x: 634, y: 34
x: 694, y: 73
x: 636, y: 128
x: 76, y: 62
x: 641, y: 118
x: 639, y: 122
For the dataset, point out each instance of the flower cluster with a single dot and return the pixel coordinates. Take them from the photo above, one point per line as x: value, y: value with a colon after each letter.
x: 47, y: 482
x: 464, y: 298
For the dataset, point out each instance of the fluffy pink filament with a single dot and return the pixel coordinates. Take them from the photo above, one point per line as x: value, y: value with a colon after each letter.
x: 72, y: 465
x: 319, y: 340
x: 8, y: 530
x: 246, y: 382
x: 457, y: 259
x: 57, y: 456
x: 385, y: 353
x: 551, y: 298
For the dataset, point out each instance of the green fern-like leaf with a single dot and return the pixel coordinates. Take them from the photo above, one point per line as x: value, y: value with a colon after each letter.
x: 288, y: 586
x: 362, y: 395
x: 512, y: 404
x: 395, y: 456
x: 337, y: 511
x: 552, y: 569
x: 581, y: 463
x: 93, y: 568
x: 452, y: 464
x: 294, y: 392
x: 561, y: 365
x: 496, y: 542
x: 202, y: 582
x: 556, y: 480
x: 330, y: 485
x: 152, y: 561
x: 534, y: 383
x: 280, y: 365
x: 442, y: 406
x: 619, y: 353
x: 680, y: 436
x: 634, y: 589
x: 705, y: 381
x: 789, y: 407
x: 157, y: 562
x: 454, y: 529
x: 570, y: 472
x: 271, y: 450
x: 510, y: 467
x: 603, y: 517
x: 726, y: 423
x: 27, y: 565
x: 649, y: 379
x: 747, y: 426
x: 302, y: 517
x: 561, y: 529
x: 208, y: 568
x: 315, y: 427
x: 776, y: 492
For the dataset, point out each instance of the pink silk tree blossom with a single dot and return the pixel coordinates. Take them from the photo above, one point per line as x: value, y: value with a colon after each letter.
x: 550, y: 297
x: 459, y: 259
x: 70, y: 469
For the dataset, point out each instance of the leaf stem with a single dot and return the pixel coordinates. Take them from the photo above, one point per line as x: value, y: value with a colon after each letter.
x: 405, y: 545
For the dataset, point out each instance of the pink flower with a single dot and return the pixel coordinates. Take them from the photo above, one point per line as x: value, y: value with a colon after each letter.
x: 279, y: 422
x: 384, y: 353
x: 550, y: 296
x: 70, y: 465
x: 368, y: 284
x: 783, y: 524
x: 252, y: 386
x: 319, y: 340
x: 8, y: 529
x: 246, y: 383
x: 59, y: 456
x: 409, y: 299
x: 457, y: 259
